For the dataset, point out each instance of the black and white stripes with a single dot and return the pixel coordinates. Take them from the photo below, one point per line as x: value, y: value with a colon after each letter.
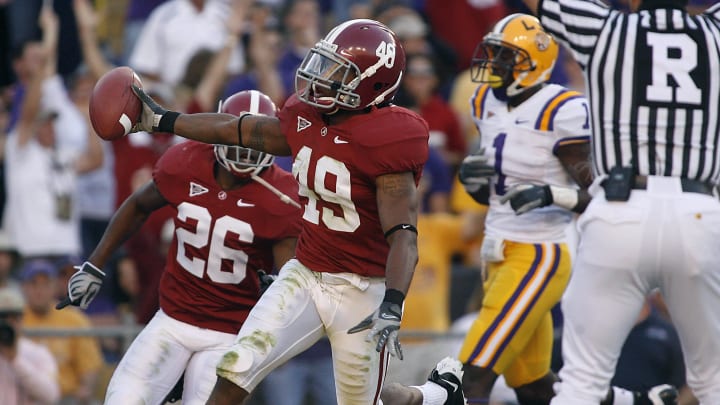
x: 653, y: 82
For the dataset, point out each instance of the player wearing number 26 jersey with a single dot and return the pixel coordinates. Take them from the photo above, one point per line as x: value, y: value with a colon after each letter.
x: 235, y: 214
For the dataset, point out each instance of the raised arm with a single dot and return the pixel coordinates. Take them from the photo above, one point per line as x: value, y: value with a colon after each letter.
x: 262, y: 133
x: 87, y: 24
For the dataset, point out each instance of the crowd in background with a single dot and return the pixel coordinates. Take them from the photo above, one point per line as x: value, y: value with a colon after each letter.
x: 58, y: 194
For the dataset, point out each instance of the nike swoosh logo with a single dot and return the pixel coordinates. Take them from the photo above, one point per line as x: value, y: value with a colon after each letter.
x: 521, y: 121
x: 338, y: 140
x: 405, y: 226
x: 240, y: 203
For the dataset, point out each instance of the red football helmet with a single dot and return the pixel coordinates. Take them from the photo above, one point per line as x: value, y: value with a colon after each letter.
x: 245, y: 162
x: 358, y: 64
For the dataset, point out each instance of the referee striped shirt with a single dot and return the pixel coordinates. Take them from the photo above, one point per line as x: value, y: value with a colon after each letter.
x: 653, y: 82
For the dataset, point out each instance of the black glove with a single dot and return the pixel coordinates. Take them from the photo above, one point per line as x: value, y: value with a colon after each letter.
x: 265, y: 280
x: 385, y: 323
x: 154, y: 117
x: 475, y: 172
x: 83, y: 286
x: 524, y: 197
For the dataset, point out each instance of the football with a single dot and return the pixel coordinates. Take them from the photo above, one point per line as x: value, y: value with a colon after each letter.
x: 114, y: 108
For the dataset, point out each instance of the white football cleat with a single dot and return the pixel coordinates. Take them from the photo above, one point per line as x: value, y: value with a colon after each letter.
x: 448, y: 374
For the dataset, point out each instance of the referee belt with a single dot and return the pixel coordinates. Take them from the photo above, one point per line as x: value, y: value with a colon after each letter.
x: 687, y: 185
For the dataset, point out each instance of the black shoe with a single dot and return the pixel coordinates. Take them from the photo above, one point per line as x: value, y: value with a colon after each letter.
x: 448, y: 374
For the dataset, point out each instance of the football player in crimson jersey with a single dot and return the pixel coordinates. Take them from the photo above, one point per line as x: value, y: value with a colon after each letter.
x: 358, y: 159
x: 229, y: 224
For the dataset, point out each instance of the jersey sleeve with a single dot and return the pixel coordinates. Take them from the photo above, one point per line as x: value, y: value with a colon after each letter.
x: 572, y: 123
x: 404, y: 148
x: 577, y: 24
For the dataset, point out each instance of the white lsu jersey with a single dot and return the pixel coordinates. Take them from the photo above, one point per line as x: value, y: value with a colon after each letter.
x: 521, y: 144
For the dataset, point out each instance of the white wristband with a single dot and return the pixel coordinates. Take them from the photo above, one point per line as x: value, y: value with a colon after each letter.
x: 564, y: 197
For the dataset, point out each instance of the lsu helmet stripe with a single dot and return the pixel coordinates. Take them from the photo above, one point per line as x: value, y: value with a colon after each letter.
x: 547, y: 114
x: 477, y: 101
x: 515, y: 310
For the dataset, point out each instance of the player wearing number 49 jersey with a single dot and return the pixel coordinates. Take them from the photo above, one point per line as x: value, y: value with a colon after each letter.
x: 236, y: 214
x: 358, y: 159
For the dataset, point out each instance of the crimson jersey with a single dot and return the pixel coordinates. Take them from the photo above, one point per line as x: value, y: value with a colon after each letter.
x: 336, y: 167
x: 222, y: 237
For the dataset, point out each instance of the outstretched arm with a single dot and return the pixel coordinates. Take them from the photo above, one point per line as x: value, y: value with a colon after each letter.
x: 258, y: 132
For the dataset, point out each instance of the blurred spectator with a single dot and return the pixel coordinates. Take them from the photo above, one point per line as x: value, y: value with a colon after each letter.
x: 419, y: 92
x: 301, y: 24
x: 43, y: 159
x: 23, y: 27
x: 264, y: 47
x: 207, y: 73
x: 462, y: 23
x: 138, y: 12
x: 78, y: 357
x: 28, y: 371
x: 8, y: 260
x: 417, y: 38
x: 175, y: 31
x: 343, y: 10
x: 437, y: 181
x: 96, y: 189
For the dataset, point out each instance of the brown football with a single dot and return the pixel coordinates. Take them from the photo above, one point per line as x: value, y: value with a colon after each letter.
x: 114, y: 108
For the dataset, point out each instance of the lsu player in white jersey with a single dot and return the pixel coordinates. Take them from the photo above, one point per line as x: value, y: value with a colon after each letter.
x: 532, y: 167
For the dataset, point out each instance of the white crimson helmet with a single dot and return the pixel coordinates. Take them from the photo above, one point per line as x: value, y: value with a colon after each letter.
x: 358, y: 64
x: 241, y: 161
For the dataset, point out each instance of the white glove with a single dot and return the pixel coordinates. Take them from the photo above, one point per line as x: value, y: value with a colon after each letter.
x: 83, y: 286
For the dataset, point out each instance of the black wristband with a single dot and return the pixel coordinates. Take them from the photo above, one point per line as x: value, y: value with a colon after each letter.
x: 404, y: 227
x: 167, y: 122
x: 239, y: 128
x: 394, y: 296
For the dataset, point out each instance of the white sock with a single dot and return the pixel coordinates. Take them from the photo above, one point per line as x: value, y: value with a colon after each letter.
x: 433, y: 394
x: 623, y: 396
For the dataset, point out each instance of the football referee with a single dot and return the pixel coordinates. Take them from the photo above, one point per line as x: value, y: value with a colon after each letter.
x: 653, y: 83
